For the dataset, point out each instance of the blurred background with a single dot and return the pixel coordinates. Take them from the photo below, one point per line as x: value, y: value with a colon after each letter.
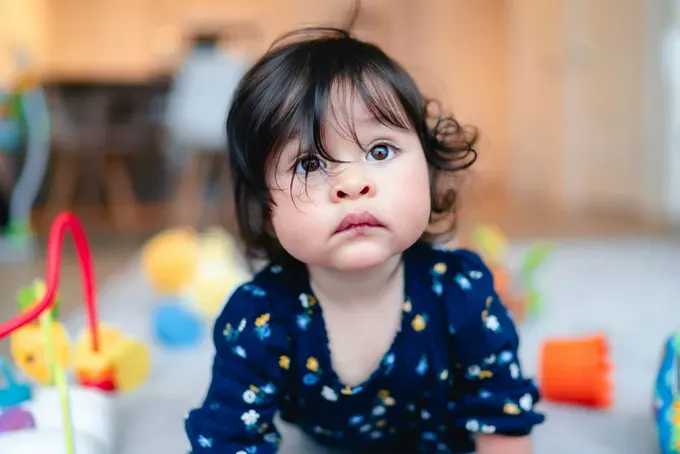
x: 572, y: 99
x: 577, y: 102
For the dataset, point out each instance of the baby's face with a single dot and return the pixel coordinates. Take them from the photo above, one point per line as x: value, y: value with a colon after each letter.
x: 356, y: 214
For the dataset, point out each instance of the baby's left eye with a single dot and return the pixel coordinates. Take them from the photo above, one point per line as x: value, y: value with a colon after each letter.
x: 380, y: 153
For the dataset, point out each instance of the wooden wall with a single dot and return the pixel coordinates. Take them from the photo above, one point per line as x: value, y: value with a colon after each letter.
x: 555, y: 85
x: 455, y: 48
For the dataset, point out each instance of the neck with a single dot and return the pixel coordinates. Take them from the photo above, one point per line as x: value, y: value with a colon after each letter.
x: 357, y: 288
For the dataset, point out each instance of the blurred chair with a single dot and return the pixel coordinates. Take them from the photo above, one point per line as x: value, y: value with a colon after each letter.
x: 195, y: 119
x: 78, y: 134
x: 11, y: 141
x: 95, y: 128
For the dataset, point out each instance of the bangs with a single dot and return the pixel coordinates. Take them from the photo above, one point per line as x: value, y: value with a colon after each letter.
x: 331, y: 103
x: 325, y: 80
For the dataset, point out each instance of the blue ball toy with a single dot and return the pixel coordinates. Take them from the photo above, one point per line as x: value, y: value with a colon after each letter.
x: 175, y: 326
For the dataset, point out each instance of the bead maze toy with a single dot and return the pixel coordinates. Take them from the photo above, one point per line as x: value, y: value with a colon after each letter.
x: 67, y: 417
x: 517, y: 288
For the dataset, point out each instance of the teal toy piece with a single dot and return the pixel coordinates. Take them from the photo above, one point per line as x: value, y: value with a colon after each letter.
x: 25, y: 127
x: 12, y: 121
x: 667, y: 397
x: 12, y: 393
x: 36, y: 115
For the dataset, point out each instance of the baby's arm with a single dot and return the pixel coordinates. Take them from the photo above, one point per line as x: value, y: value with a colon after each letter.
x: 494, y: 401
x: 238, y: 412
x: 495, y: 444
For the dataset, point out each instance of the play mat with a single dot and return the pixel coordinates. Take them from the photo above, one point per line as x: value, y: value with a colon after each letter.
x: 624, y: 290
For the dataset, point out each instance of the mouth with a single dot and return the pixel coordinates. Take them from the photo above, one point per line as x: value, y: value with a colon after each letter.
x: 359, y: 221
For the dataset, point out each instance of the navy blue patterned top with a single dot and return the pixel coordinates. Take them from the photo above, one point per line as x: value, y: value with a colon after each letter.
x: 451, y: 372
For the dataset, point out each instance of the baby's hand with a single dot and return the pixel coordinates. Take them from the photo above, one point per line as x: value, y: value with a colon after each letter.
x: 501, y: 444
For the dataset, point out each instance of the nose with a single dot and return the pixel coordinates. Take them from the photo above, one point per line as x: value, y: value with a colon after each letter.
x: 351, y: 187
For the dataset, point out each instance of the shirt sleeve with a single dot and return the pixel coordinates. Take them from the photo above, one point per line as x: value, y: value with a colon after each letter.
x: 248, y: 371
x: 491, y: 395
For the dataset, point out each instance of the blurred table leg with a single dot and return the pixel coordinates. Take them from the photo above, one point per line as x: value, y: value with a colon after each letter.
x: 120, y: 192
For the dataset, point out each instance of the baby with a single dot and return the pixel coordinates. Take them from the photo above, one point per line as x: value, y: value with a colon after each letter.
x: 360, y: 330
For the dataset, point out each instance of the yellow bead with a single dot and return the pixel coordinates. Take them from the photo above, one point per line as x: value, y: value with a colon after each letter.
x: 27, y: 347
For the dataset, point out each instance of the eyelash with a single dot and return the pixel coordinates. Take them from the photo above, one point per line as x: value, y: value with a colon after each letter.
x: 322, y: 164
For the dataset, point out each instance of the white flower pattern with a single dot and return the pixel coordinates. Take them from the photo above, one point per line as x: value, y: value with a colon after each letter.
x: 476, y: 275
x: 205, y: 442
x: 249, y: 396
x: 378, y: 410
x: 488, y: 429
x: 250, y: 417
x: 514, y: 371
x: 472, y: 425
x: 304, y: 300
x: 485, y: 375
x: 526, y: 402
x: 271, y: 438
x: 329, y: 394
x: 505, y: 357
x: 474, y: 370
x: 492, y: 323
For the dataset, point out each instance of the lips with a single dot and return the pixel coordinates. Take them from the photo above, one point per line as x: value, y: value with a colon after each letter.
x: 358, y: 221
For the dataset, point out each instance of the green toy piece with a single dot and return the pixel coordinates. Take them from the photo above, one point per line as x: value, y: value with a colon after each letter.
x: 533, y: 259
x: 492, y: 244
x: 29, y: 294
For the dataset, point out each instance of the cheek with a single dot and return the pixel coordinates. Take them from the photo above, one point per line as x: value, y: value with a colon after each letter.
x: 410, y: 191
x: 296, y: 219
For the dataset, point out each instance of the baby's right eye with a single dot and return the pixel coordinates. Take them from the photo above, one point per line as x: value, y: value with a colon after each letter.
x: 309, y: 164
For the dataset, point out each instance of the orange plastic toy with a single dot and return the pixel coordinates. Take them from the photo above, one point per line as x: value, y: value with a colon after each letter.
x: 576, y: 371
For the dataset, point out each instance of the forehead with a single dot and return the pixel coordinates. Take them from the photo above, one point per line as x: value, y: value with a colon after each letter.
x: 349, y: 115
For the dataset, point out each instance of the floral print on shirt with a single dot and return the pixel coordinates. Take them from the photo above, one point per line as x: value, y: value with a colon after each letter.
x: 446, y: 377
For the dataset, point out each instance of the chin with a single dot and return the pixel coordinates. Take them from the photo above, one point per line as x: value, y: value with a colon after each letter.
x: 361, y: 255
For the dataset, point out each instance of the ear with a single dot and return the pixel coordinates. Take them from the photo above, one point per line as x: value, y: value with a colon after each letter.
x: 267, y: 223
x: 268, y: 226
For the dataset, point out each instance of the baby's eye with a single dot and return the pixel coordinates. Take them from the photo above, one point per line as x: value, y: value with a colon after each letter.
x: 308, y: 165
x: 380, y: 153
